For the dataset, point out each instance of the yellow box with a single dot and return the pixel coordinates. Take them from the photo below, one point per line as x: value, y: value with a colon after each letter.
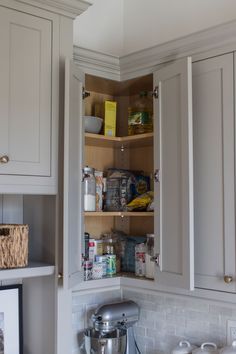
x: 110, y: 118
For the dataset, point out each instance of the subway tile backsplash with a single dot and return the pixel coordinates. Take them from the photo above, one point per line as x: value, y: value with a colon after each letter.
x: 164, y: 319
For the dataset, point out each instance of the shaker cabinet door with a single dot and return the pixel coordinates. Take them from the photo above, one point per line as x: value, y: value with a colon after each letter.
x: 173, y: 159
x: 25, y: 94
x: 214, y: 172
x: 73, y: 164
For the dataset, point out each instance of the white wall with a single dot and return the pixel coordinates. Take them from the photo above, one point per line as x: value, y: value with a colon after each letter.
x: 158, y: 21
x: 120, y: 27
x: 101, y: 27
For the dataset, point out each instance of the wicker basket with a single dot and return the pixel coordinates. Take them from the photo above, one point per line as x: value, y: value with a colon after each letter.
x: 13, y: 246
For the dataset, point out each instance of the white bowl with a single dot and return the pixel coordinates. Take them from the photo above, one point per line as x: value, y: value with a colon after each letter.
x: 92, y: 124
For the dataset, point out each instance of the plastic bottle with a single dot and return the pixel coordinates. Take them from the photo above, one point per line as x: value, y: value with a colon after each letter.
x: 140, y: 115
x: 140, y: 265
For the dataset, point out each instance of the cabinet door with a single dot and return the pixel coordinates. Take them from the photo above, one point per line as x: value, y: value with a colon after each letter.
x: 214, y: 191
x: 73, y: 164
x: 25, y: 93
x: 173, y: 159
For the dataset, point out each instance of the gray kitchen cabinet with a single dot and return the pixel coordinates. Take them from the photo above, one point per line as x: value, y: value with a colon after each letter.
x: 73, y: 162
x: 28, y: 110
x: 173, y: 159
x: 214, y: 173
x: 171, y: 145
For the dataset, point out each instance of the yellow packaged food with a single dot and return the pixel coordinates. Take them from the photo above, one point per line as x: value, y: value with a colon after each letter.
x: 141, y: 202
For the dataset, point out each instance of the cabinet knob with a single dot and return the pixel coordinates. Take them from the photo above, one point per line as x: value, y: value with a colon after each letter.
x: 59, y: 275
x: 4, y: 159
x: 228, y: 279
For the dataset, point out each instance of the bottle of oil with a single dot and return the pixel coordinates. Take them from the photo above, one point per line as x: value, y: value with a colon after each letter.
x: 140, y: 115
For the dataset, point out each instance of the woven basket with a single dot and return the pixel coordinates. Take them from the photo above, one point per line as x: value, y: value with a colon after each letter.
x: 13, y: 246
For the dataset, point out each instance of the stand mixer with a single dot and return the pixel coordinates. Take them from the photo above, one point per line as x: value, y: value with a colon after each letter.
x: 112, y: 331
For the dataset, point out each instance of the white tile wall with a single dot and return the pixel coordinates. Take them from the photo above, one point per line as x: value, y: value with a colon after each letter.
x: 164, y: 319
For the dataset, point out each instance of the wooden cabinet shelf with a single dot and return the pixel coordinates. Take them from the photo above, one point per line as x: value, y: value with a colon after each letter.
x: 119, y: 213
x: 140, y: 140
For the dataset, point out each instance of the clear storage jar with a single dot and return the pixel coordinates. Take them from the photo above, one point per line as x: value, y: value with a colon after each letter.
x: 89, y: 183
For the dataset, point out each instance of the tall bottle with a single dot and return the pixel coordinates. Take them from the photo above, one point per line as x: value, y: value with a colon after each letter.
x: 89, y: 183
x: 140, y: 114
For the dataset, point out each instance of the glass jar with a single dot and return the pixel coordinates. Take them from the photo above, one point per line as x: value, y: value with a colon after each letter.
x: 140, y: 118
x: 89, y: 183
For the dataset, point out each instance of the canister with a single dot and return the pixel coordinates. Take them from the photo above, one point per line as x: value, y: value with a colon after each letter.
x: 184, y: 347
x: 103, y: 261
x: 97, y: 270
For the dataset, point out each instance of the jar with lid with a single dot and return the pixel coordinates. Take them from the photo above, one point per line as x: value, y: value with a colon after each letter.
x: 150, y: 266
x: 140, y: 114
x: 89, y: 184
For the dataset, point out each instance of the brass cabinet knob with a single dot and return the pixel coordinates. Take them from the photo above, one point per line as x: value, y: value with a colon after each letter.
x: 228, y: 279
x: 4, y: 159
x: 59, y: 275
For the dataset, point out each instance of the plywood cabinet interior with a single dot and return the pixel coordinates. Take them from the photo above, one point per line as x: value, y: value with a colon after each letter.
x: 124, y: 154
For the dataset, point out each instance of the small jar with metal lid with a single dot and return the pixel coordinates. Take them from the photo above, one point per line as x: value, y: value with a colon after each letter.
x: 89, y: 189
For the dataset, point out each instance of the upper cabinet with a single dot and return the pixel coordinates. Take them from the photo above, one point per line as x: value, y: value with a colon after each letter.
x: 73, y: 162
x: 28, y: 134
x: 167, y: 151
x: 214, y: 172
x: 173, y: 163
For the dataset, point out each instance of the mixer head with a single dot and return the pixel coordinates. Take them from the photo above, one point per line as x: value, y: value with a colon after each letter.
x: 109, y: 317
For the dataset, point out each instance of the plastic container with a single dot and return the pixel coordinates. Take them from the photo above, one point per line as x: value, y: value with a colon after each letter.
x: 140, y: 264
x: 207, y: 348
x: 89, y: 189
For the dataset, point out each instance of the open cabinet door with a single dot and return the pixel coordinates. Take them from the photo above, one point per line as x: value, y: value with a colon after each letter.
x: 73, y: 164
x: 173, y: 161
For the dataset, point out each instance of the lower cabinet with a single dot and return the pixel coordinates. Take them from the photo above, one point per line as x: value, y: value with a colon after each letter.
x: 214, y: 172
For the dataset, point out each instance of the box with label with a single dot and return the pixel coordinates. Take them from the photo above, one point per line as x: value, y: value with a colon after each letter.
x: 110, y: 118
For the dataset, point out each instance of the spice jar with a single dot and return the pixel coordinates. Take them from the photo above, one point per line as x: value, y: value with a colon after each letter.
x: 89, y: 189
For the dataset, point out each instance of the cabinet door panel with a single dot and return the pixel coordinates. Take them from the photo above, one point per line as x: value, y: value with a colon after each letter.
x: 173, y: 157
x: 213, y: 126
x: 73, y: 164
x: 25, y: 91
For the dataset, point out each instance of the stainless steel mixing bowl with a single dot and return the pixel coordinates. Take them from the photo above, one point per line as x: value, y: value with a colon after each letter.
x: 105, y: 343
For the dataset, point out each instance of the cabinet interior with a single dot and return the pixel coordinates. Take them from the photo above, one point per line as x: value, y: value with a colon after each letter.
x: 103, y: 155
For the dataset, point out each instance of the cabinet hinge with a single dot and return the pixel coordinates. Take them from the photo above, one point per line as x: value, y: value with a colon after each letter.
x: 85, y: 94
x: 155, y: 92
x: 156, y: 259
x: 157, y: 175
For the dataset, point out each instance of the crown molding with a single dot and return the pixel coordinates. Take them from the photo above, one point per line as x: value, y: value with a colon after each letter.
x: 147, y: 60
x: 68, y: 8
x: 214, y: 41
x: 98, y: 64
